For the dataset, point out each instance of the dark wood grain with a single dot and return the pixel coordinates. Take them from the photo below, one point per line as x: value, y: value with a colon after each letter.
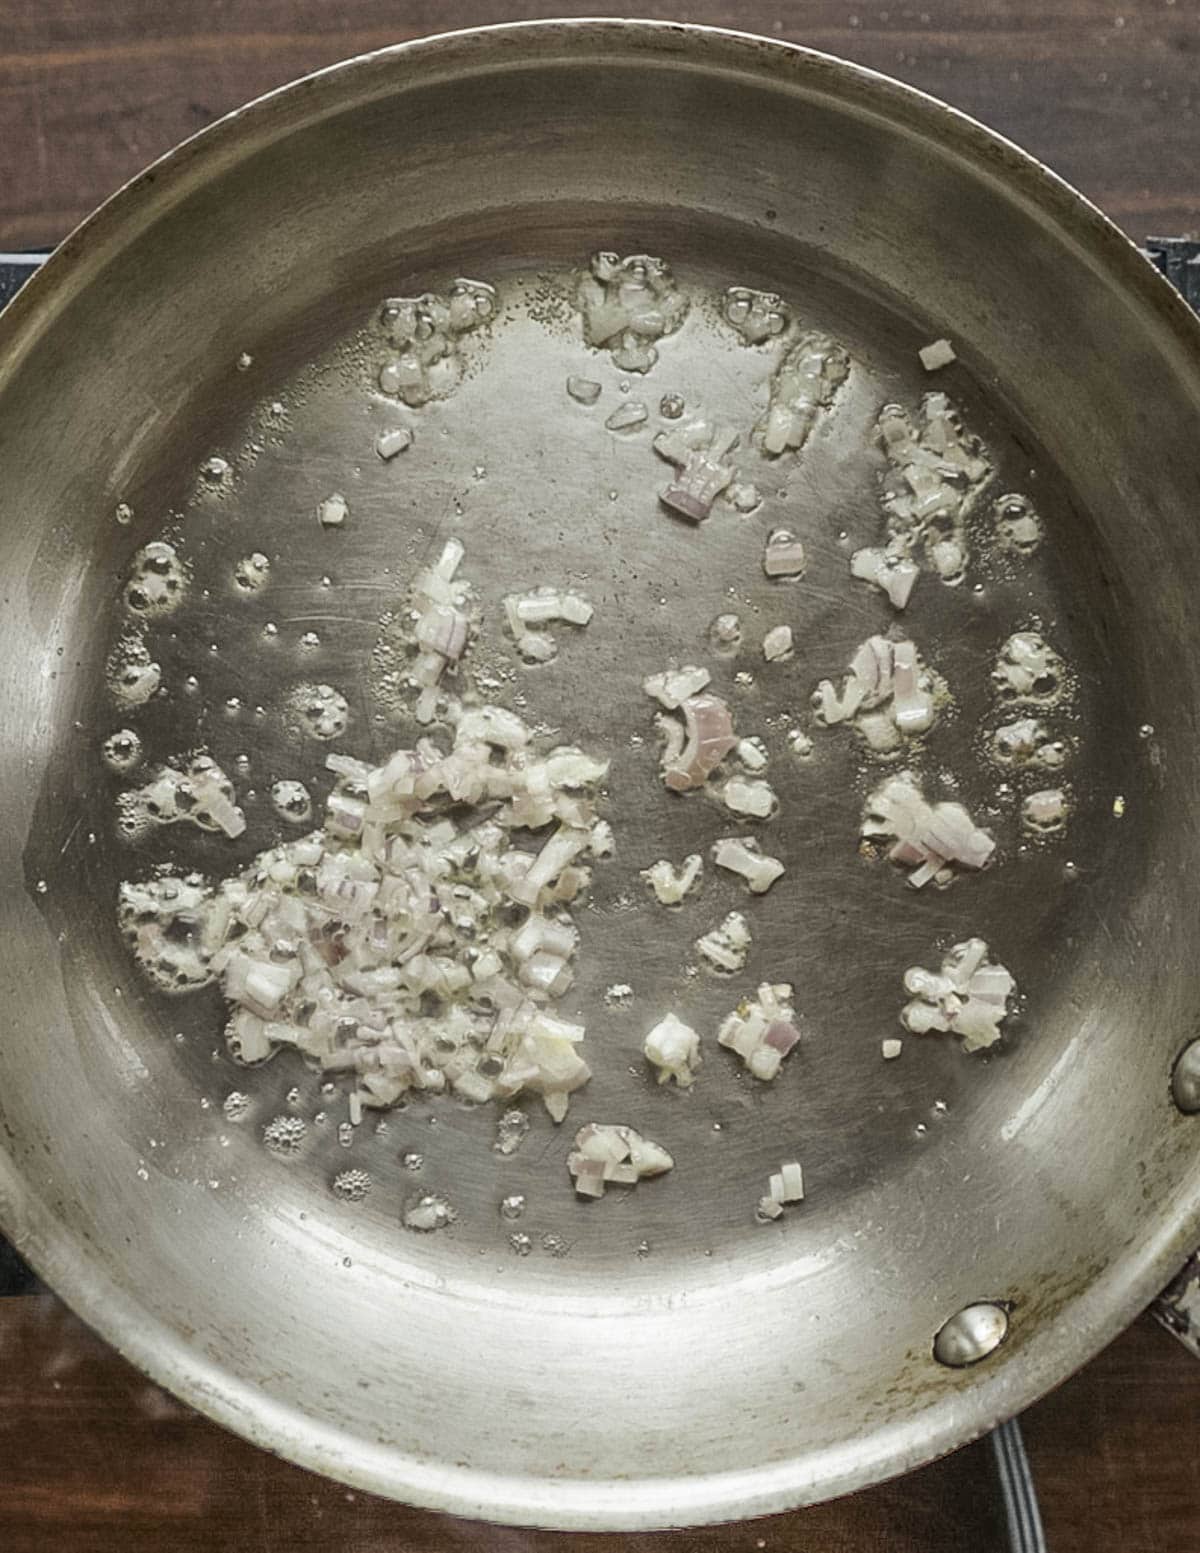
x: 1105, y: 91
x: 94, y: 1458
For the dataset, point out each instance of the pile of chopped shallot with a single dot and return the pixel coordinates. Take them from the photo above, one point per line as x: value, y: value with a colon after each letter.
x: 416, y: 941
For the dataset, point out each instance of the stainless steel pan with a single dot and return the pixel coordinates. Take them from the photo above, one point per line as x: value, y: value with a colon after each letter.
x: 660, y: 1360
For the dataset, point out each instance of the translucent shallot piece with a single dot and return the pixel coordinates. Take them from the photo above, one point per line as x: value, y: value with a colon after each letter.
x: 888, y: 695
x: 758, y: 316
x: 608, y: 1154
x: 199, y: 794
x: 750, y: 796
x: 935, y: 469
x: 671, y: 884
x: 628, y: 305
x: 931, y: 840
x: 803, y: 387
x: 583, y: 390
x: 890, y: 569
x: 709, y: 736
x: 937, y: 354
x: 783, y: 555
x: 425, y: 335
x: 969, y: 997
x: 673, y: 686
x: 674, y: 1049
x: 333, y: 511
x: 528, y: 614
x: 740, y: 855
x: 700, y: 452
x: 762, y: 1030
x: 726, y: 946
x: 1026, y: 742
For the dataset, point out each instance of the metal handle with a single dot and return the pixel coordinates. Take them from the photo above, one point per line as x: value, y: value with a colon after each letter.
x: 15, y: 270
x: 1021, y: 1513
x: 1178, y: 258
x: 1178, y: 1306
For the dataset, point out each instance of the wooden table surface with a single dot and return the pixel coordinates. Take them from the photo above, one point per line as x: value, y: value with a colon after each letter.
x: 92, y: 1457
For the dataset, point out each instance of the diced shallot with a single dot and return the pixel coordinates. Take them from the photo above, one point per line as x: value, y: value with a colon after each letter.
x: 726, y: 947
x: 803, y: 387
x: 751, y: 796
x: 777, y: 644
x: 783, y: 555
x: 938, y: 353
x: 700, y: 451
x: 709, y: 738
x: 888, y: 695
x: 762, y: 1031
x: 410, y: 943
x: 674, y: 1049
x: 605, y: 1153
x: 671, y: 884
x: 528, y: 613
x: 969, y: 998
x: 890, y: 569
x: 673, y: 686
x: 740, y: 855
x: 930, y: 839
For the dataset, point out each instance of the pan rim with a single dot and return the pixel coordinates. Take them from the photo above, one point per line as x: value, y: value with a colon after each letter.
x: 162, y: 1351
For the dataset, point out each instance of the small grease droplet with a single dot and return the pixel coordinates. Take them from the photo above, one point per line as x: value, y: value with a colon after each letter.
x: 351, y: 1185
x: 284, y: 1135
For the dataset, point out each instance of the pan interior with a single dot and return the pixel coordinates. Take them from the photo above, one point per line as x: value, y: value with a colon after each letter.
x: 539, y: 492
x: 930, y: 1181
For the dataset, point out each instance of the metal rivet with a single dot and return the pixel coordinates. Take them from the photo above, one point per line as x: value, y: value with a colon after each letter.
x: 1185, y: 1080
x: 972, y: 1334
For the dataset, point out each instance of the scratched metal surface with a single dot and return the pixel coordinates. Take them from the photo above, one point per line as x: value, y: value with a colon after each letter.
x: 1055, y: 1176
